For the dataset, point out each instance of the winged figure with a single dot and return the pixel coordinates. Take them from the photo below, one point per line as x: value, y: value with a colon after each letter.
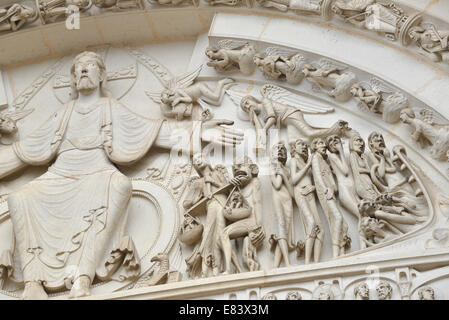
x: 232, y: 54
x: 286, y: 109
x: 281, y: 64
x: 181, y: 92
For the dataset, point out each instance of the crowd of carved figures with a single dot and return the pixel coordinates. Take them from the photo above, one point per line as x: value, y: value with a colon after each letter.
x: 374, y: 187
x: 385, y: 18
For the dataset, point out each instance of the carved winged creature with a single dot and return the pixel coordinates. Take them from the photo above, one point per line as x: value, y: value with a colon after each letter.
x: 377, y: 97
x: 181, y: 92
x: 281, y: 64
x: 232, y: 54
x: 284, y: 108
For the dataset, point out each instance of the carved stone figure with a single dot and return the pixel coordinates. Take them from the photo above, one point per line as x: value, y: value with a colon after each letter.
x: 232, y: 55
x: 361, y: 291
x: 384, y: 18
x: 119, y: 4
x: 326, y: 190
x: 374, y: 231
x: 361, y: 170
x: 386, y: 176
x: 14, y: 17
x: 332, y: 77
x: 163, y: 274
x: 281, y: 64
x: 282, y: 193
x: 74, y: 214
x: 427, y: 132
x: 345, y: 183
x: 426, y: 293
x: 433, y: 43
x: 384, y: 291
x: 320, y: 7
x: 378, y: 97
x: 246, y: 181
x: 283, y: 108
x: 352, y: 11
x: 206, y: 258
x: 177, y: 99
x: 244, y: 221
x: 50, y: 10
x: 304, y: 192
x: 326, y: 292
x: 293, y: 295
x: 8, y: 120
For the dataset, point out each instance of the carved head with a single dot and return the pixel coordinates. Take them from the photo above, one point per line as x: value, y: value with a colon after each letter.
x: 88, y: 72
x: 407, y: 115
x: 357, y: 144
x: 362, y: 291
x: 299, y: 147
x: 249, y: 102
x: 384, y: 290
x: 319, y: 145
x: 236, y: 200
x: 279, y: 152
x: 426, y: 293
x: 376, y: 141
x: 333, y: 143
x: 199, y: 162
x: 160, y: 257
x: 415, y: 33
x: 293, y: 295
x: 245, y: 167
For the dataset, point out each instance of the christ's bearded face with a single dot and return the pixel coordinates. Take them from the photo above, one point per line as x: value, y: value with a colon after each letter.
x: 87, y: 75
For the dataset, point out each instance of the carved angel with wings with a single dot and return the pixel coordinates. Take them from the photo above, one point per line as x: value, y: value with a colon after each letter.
x: 428, y: 131
x: 281, y: 64
x: 332, y: 76
x: 182, y: 92
x: 8, y: 120
x: 286, y: 109
x: 376, y: 96
x: 232, y: 54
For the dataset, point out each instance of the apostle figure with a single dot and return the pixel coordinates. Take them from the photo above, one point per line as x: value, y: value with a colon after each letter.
x: 75, y: 213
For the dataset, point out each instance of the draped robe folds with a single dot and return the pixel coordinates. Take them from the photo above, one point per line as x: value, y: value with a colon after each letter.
x: 71, y: 220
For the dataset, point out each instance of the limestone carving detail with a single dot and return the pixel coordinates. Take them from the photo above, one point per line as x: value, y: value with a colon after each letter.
x: 177, y: 100
x: 282, y: 108
x: 15, y: 16
x: 232, y: 54
x: 333, y: 78
x: 281, y: 64
x: 304, y: 193
x: 8, y: 120
x: 51, y: 10
x: 432, y: 42
x: 82, y: 130
x: 118, y: 5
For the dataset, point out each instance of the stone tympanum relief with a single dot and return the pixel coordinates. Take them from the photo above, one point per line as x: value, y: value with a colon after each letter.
x: 57, y: 219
